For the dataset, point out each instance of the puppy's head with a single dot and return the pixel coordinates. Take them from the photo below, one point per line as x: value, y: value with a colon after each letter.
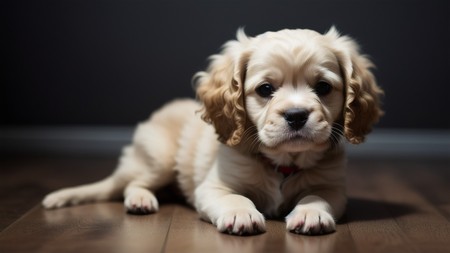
x: 291, y: 90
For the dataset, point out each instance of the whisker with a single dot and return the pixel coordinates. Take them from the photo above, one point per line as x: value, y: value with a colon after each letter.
x: 256, y: 143
x: 337, y: 134
x: 252, y: 138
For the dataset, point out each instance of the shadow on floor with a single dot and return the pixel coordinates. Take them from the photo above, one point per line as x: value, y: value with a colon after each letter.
x: 359, y: 209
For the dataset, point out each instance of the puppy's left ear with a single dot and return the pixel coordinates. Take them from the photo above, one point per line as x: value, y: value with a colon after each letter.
x: 221, y: 90
x: 362, y: 94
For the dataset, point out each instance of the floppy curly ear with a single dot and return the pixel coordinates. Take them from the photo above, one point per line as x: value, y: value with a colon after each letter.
x: 221, y: 90
x: 362, y: 94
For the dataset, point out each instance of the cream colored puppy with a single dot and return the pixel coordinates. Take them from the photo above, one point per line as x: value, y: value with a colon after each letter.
x: 279, y: 106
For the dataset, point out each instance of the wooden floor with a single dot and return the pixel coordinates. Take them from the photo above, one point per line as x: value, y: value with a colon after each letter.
x: 394, y: 206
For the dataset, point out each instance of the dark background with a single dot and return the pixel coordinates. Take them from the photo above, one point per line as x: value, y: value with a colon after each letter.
x: 110, y: 63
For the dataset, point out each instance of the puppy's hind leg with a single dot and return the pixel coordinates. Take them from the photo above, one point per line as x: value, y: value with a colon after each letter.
x: 145, y: 166
x: 139, y: 192
x: 144, y: 179
x: 149, y: 163
x: 106, y: 189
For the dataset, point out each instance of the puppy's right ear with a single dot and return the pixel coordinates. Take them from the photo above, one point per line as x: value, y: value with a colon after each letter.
x: 221, y: 90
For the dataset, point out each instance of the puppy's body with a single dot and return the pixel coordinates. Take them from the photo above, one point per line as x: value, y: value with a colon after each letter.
x: 276, y: 100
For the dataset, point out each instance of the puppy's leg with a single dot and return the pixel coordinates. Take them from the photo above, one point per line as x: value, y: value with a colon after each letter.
x: 145, y: 166
x: 139, y: 193
x: 143, y: 172
x: 230, y: 213
x: 317, y: 214
x: 106, y: 189
x: 148, y: 166
x: 109, y: 188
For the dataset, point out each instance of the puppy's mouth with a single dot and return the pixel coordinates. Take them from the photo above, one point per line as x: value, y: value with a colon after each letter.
x: 298, y: 141
x: 296, y: 138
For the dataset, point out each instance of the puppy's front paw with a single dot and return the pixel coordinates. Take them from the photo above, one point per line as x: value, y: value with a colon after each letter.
x: 141, y: 201
x: 241, y: 222
x: 310, y: 221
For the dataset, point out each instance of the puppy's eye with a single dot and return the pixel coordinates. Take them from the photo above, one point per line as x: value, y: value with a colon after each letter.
x: 265, y: 90
x: 322, y: 88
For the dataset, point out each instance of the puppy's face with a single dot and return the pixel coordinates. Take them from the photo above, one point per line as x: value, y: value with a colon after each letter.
x: 294, y: 91
x: 289, y: 91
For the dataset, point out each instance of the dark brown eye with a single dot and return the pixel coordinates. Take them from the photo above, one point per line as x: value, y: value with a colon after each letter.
x: 265, y: 90
x: 322, y: 88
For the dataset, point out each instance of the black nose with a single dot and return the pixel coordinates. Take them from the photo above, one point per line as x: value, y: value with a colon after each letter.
x: 296, y: 117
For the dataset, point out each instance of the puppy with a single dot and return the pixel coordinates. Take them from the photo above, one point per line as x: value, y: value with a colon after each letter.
x: 279, y: 106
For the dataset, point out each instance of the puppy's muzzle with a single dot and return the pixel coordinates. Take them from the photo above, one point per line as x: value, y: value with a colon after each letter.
x: 296, y: 118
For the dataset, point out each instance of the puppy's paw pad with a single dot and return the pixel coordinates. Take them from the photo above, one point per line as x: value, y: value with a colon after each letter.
x: 142, y: 202
x: 241, y: 222
x: 309, y: 221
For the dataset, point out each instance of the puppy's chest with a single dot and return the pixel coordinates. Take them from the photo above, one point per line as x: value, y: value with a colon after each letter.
x: 279, y: 192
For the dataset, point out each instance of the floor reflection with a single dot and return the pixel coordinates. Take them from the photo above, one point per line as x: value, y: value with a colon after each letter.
x: 173, y: 229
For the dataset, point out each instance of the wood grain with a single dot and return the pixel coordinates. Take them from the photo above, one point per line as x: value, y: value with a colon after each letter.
x: 394, y: 206
x: 102, y: 227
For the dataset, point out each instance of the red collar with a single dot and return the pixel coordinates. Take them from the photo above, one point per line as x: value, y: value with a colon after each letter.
x: 285, y: 170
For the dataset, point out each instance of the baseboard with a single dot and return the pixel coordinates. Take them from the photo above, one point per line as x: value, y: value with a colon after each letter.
x: 75, y: 140
x: 108, y: 141
x: 404, y: 143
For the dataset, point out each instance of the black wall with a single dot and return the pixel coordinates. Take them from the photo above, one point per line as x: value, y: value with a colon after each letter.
x: 92, y: 62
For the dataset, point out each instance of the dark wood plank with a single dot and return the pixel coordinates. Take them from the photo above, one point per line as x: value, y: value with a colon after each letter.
x: 101, y: 227
x: 426, y: 227
x: 24, y: 181
x: 387, y: 212
x: 430, y: 179
x: 372, y: 226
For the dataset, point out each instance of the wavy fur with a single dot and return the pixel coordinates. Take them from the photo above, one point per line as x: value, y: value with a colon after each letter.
x: 362, y: 104
x: 220, y: 88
